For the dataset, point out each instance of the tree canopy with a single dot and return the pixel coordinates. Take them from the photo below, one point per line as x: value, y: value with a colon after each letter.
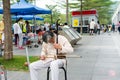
x: 103, y: 8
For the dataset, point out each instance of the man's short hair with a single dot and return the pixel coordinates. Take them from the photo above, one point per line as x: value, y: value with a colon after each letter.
x: 65, y: 24
x: 20, y: 19
x: 92, y: 19
x: 47, y: 36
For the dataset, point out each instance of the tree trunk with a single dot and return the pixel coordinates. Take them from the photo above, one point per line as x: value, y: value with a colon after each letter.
x: 67, y: 19
x: 81, y: 18
x: 51, y: 17
x: 8, y: 46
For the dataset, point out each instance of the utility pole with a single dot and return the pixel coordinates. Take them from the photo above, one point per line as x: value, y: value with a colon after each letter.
x: 81, y: 17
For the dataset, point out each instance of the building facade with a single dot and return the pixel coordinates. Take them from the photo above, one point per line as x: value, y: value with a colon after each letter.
x: 87, y: 16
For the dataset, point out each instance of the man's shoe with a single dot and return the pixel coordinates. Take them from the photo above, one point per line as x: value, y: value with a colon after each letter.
x: 21, y: 48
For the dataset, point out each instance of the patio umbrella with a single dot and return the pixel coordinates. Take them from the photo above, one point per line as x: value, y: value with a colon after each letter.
x: 25, y: 8
x: 28, y: 17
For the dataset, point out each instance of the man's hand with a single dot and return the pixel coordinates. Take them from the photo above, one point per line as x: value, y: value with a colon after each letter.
x: 42, y: 57
x: 61, y: 55
x: 57, y: 46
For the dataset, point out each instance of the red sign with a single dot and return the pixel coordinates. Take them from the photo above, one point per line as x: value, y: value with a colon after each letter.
x: 85, y: 12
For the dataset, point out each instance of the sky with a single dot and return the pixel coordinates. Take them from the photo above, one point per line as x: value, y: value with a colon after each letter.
x: 115, y: 0
x: 42, y: 3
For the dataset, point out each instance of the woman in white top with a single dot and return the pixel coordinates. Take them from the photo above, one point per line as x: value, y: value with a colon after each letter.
x: 18, y: 30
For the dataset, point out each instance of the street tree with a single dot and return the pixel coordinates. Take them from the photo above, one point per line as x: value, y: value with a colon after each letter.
x: 102, y: 7
x: 65, y: 5
x: 52, y: 9
x: 8, y: 46
x: 55, y: 14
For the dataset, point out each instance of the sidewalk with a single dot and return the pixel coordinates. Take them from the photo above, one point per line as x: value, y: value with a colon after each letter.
x: 100, y: 60
x: 32, y: 51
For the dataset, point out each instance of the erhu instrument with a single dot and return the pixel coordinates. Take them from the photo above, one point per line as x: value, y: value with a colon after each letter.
x: 58, y: 54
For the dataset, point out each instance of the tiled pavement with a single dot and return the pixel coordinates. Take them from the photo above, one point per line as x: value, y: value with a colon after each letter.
x: 100, y: 60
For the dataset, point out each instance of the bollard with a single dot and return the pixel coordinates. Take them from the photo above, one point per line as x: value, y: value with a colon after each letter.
x: 3, y: 72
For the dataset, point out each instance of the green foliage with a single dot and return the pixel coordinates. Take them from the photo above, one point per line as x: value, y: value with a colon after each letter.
x: 63, y: 18
x: 55, y: 17
x: 25, y: 0
x: 102, y: 6
x: 55, y: 14
x: 17, y: 63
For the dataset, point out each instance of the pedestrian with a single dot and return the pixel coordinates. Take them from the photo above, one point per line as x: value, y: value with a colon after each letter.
x: 15, y: 31
x: 3, y: 40
x: 1, y: 27
x: 66, y: 25
x: 92, y: 26
x: 22, y: 25
x: 28, y: 27
x: 49, y: 47
x: 46, y: 26
x: 18, y: 31
x: 113, y: 27
x: 98, y: 27
x: 118, y: 27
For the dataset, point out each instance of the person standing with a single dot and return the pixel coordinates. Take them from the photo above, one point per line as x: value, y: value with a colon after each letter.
x: 28, y: 27
x: 20, y: 34
x: 1, y: 27
x: 15, y: 30
x: 113, y: 27
x: 118, y: 27
x: 66, y: 25
x: 92, y: 25
x: 47, y: 26
x: 98, y: 27
x: 18, y: 31
x: 49, y: 47
x: 22, y: 25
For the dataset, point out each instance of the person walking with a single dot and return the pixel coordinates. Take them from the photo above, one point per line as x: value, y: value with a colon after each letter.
x: 92, y: 26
